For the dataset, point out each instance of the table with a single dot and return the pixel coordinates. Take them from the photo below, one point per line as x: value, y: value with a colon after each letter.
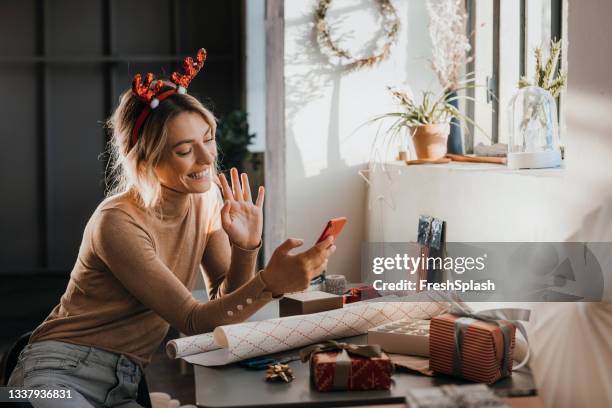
x: 235, y: 386
x: 518, y: 402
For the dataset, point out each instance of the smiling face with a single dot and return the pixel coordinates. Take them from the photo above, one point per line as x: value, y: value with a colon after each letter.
x: 189, y: 156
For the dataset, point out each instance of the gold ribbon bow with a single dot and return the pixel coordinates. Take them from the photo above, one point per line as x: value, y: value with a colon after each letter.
x: 331, y: 345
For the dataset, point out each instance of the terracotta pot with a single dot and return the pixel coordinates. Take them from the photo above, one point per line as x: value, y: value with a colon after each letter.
x: 430, y: 141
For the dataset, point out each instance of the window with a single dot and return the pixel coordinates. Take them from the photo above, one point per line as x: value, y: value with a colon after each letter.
x: 504, y: 35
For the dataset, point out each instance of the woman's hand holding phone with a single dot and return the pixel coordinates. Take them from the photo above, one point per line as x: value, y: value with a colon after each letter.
x: 286, y: 273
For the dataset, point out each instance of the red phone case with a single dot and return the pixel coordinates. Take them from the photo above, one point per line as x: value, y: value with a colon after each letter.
x: 334, y: 227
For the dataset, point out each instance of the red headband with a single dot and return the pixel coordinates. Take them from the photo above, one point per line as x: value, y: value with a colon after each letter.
x: 150, y: 94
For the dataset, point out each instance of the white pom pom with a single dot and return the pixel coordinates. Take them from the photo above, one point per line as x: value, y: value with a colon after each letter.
x: 154, y: 103
x: 181, y: 90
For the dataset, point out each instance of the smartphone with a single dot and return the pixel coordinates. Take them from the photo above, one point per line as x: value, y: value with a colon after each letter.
x: 333, y: 227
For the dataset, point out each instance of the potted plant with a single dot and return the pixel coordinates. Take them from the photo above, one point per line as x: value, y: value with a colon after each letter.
x: 428, y: 121
x: 547, y: 76
x: 233, y: 137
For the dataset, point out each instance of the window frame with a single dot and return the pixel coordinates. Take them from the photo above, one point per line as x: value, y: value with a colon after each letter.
x: 496, y: 42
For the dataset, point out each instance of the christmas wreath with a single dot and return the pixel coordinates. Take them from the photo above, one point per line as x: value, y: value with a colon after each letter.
x: 391, y: 25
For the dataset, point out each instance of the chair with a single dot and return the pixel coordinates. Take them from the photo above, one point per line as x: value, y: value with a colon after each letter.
x: 10, y: 361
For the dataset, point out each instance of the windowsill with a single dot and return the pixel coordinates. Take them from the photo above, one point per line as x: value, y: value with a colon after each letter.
x: 483, y: 167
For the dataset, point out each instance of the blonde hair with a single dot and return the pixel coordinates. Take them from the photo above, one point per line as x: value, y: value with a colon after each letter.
x: 132, y: 170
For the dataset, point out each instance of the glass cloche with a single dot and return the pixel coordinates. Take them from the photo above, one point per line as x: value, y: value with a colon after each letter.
x: 534, y: 131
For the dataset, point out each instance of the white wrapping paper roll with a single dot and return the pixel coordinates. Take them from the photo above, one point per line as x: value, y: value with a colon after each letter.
x: 186, y: 346
x: 252, y: 339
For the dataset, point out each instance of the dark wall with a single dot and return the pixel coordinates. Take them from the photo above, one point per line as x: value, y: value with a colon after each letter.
x: 63, y: 65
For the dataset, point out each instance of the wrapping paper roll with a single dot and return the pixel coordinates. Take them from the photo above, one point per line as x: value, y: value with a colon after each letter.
x: 186, y: 346
x: 246, y: 340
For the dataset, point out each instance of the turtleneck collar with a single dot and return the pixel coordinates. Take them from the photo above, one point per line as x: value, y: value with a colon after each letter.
x: 173, y: 203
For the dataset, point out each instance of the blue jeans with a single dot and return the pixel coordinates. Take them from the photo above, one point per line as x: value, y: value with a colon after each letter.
x: 95, y: 378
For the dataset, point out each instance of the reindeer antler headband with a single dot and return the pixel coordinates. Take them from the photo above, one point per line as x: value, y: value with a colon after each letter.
x: 150, y: 93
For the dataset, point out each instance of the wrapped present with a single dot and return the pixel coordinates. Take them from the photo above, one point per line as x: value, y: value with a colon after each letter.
x: 313, y: 301
x: 475, y: 346
x: 342, y: 366
x: 361, y: 293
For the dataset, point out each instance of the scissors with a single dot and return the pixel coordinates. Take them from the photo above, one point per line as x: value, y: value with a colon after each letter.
x: 262, y: 363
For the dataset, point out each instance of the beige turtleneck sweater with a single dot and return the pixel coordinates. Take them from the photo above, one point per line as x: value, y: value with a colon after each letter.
x: 135, y: 272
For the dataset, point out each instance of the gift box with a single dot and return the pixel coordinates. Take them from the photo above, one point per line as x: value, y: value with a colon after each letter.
x: 342, y: 366
x: 361, y: 293
x: 473, y: 349
x: 313, y: 301
x: 407, y: 336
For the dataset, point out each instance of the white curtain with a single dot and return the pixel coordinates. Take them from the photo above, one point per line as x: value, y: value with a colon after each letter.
x: 571, y: 343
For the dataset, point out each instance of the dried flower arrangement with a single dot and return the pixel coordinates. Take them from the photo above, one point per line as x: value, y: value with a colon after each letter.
x: 391, y: 25
x: 451, y: 46
x: 546, y: 76
x: 450, y: 54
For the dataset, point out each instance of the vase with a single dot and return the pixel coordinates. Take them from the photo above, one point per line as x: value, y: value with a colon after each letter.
x: 430, y: 141
x: 455, y: 142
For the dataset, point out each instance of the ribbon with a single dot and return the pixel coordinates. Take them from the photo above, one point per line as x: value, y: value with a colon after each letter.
x: 343, y: 360
x: 505, y: 318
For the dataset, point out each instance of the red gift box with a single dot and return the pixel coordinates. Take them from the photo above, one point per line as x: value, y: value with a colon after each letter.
x: 360, y: 293
x: 343, y: 370
x: 482, y: 357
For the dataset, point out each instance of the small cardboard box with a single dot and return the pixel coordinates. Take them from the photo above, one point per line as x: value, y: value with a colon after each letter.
x: 313, y: 301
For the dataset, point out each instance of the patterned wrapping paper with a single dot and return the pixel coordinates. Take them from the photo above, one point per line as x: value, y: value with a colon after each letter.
x: 372, y: 373
x: 482, y: 353
x: 252, y: 339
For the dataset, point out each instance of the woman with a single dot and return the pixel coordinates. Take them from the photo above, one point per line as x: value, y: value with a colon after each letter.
x: 142, y: 248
